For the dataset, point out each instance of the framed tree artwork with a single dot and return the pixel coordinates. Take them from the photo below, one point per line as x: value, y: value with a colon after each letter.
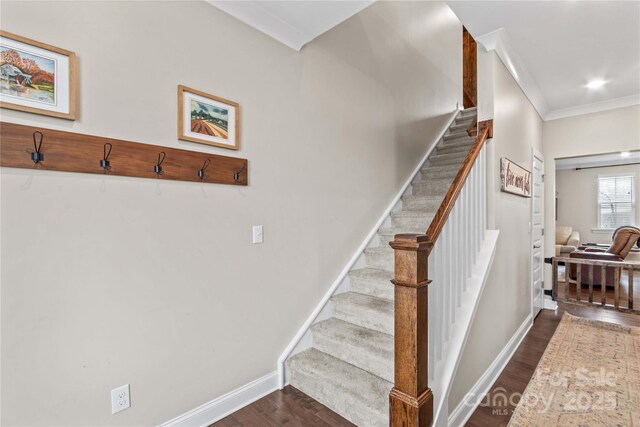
x: 36, y: 77
x: 208, y: 119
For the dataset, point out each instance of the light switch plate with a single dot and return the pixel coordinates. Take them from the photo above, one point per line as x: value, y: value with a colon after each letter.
x: 257, y: 234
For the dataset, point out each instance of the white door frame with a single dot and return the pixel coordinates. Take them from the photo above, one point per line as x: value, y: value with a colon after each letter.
x: 536, y: 154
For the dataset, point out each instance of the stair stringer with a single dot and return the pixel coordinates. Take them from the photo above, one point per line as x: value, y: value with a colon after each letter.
x: 302, y: 340
x: 446, y: 369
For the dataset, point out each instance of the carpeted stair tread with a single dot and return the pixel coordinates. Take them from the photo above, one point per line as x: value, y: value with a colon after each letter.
x: 450, y: 137
x: 458, y: 143
x: 438, y: 158
x: 373, y: 282
x: 412, y: 220
x: 431, y: 203
x: 387, y: 235
x: 439, y: 172
x: 364, y: 348
x: 357, y: 395
x: 431, y: 187
x: 364, y: 310
x: 380, y: 258
x: 462, y: 125
x: 350, y: 365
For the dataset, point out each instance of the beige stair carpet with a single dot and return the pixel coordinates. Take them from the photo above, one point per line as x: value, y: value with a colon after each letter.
x: 349, y: 367
x: 589, y: 375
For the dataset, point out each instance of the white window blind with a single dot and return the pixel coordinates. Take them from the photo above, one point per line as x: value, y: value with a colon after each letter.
x: 616, y: 201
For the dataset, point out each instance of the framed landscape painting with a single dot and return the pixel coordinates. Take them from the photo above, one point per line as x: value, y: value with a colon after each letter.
x: 36, y: 77
x: 208, y: 119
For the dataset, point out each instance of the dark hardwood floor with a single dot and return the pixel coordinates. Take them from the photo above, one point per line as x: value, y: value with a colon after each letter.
x: 287, y: 407
x: 291, y: 407
x: 516, y: 375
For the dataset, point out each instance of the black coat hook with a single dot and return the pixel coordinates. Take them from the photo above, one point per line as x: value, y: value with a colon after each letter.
x: 236, y: 175
x: 204, y: 166
x: 37, y: 156
x: 104, y: 163
x: 158, y: 167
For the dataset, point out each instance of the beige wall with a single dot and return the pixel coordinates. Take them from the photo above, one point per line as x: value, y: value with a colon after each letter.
x: 597, y: 133
x: 577, y: 198
x: 506, y: 300
x: 107, y: 281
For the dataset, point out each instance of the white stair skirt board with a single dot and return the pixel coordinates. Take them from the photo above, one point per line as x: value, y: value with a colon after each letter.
x: 465, y: 409
x: 304, y: 329
x: 215, y: 410
x: 446, y: 370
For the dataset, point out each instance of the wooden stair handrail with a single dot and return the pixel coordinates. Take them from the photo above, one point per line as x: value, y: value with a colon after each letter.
x: 485, y: 130
x: 411, y: 399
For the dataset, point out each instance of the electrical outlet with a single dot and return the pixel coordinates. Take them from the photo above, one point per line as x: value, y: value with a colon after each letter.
x: 257, y: 234
x: 120, y: 399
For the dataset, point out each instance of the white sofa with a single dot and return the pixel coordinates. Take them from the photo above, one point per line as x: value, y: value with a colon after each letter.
x: 567, y: 240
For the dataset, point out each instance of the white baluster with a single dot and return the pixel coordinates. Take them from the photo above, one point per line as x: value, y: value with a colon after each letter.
x: 459, y: 252
x: 474, y: 225
x: 479, y: 189
x: 446, y: 270
x: 472, y: 214
x: 479, y: 213
x: 435, y: 288
x: 433, y: 314
x: 452, y: 281
x: 463, y: 249
x: 440, y: 278
x: 467, y: 234
x: 456, y: 270
x: 483, y: 191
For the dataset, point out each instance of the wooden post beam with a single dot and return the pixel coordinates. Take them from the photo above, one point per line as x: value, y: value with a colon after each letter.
x: 411, y: 400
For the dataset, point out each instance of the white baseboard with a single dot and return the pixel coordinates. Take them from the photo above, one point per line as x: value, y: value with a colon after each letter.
x: 357, y: 254
x: 224, y: 405
x: 549, y: 304
x: 463, y: 411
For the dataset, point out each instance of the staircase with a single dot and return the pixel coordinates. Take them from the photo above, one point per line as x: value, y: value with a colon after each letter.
x: 349, y: 366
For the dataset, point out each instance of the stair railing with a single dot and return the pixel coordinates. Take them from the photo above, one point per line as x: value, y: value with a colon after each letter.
x: 579, y: 281
x: 456, y: 231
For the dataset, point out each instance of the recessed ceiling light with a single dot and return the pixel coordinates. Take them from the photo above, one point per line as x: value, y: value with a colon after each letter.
x: 595, y: 84
x: 625, y: 154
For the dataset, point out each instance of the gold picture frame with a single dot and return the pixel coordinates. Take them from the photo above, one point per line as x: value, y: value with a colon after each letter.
x: 208, y: 119
x: 36, y: 77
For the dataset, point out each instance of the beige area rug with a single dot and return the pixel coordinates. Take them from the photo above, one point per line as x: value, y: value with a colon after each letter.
x: 589, y: 376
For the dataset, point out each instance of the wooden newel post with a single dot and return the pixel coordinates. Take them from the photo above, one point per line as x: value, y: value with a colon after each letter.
x: 411, y: 400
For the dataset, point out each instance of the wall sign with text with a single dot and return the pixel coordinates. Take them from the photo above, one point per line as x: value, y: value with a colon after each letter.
x: 514, y: 179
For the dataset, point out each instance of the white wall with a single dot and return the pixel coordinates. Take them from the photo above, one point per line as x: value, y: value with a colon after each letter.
x: 597, y: 133
x: 506, y: 300
x: 112, y: 280
x: 577, y: 199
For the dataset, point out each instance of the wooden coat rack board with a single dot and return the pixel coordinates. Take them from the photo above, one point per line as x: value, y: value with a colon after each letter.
x: 76, y: 152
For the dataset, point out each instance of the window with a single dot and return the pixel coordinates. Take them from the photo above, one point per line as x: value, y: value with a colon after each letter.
x: 616, y: 201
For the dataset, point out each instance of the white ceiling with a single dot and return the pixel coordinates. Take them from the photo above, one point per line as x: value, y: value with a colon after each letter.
x: 294, y: 23
x: 600, y: 160
x: 553, y: 48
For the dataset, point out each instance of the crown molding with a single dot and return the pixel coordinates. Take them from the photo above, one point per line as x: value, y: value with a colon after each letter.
x: 499, y: 42
x: 594, y: 107
x: 252, y: 14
